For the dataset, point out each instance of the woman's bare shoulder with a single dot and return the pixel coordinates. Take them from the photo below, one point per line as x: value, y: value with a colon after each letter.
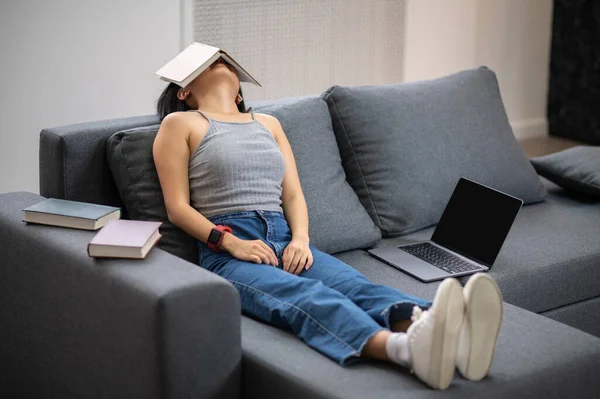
x: 183, y: 122
x: 266, y: 117
x: 177, y: 118
x: 269, y: 121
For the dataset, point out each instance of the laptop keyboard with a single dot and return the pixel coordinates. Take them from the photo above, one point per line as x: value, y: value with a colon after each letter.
x: 439, y: 258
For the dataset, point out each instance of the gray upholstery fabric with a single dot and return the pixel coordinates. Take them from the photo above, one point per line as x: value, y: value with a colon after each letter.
x: 582, y: 315
x: 72, y: 160
x: 257, y: 105
x: 79, y: 327
x: 129, y: 155
x: 576, y: 168
x: 135, y: 333
x: 404, y: 146
x: 376, y: 270
x: 535, y: 358
x: 551, y: 257
x: 337, y: 220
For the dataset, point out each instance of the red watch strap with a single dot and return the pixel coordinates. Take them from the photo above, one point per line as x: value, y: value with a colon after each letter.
x: 223, y: 229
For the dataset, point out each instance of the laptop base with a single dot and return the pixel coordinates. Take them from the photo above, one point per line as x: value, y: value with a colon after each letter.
x: 413, y: 266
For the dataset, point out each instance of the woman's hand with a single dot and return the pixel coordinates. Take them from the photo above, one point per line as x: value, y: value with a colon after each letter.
x: 249, y: 250
x: 297, y: 256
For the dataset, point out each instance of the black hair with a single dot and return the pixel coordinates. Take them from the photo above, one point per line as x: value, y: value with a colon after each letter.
x: 168, y: 102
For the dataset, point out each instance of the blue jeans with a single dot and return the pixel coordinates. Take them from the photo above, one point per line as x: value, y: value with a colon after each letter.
x: 331, y: 306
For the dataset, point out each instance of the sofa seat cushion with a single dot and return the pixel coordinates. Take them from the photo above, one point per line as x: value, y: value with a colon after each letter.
x: 584, y: 315
x: 405, y: 146
x: 551, y: 257
x: 337, y: 220
x: 536, y: 357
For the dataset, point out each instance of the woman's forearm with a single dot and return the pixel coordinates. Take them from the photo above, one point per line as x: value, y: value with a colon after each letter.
x: 192, y: 222
x: 296, y: 214
x: 195, y: 224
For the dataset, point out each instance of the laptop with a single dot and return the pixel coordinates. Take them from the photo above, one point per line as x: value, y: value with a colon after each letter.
x: 467, y: 239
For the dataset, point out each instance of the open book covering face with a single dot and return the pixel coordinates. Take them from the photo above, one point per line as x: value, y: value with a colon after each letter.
x: 195, y: 59
x: 223, y: 61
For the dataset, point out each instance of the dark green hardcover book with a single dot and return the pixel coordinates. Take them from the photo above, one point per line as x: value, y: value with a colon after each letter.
x: 73, y: 214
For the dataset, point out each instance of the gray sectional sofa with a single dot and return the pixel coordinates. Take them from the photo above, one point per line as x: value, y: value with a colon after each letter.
x: 377, y: 165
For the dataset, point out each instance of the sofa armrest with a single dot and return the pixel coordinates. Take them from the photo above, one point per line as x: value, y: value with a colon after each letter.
x: 73, y: 160
x: 75, y: 326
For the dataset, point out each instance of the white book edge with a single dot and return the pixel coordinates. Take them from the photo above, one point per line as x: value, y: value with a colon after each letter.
x: 112, y: 251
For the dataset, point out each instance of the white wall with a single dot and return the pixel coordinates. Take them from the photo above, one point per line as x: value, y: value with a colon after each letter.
x: 512, y: 37
x: 70, y: 61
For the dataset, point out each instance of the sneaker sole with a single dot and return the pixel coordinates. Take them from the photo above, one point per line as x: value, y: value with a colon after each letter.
x: 449, y: 307
x: 483, y: 304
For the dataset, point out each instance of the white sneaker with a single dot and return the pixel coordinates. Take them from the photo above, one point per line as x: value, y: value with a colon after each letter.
x: 478, y: 335
x: 433, y: 335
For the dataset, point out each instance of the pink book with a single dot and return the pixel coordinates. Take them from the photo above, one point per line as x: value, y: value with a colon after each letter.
x: 125, y: 239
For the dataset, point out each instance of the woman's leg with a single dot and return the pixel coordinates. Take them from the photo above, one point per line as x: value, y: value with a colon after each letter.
x: 329, y: 322
x: 376, y: 346
x: 387, y: 306
x: 326, y: 319
x: 322, y: 317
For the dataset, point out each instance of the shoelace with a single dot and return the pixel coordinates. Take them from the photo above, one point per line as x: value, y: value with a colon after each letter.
x: 417, y: 313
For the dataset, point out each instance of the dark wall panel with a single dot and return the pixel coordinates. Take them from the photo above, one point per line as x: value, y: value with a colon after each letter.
x: 574, y: 87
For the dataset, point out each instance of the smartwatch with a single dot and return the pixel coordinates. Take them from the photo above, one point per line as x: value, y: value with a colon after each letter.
x: 215, y: 238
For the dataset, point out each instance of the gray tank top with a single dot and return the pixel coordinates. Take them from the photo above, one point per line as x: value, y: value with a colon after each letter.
x: 237, y: 167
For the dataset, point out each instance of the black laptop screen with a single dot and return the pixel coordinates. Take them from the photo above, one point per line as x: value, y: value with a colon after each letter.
x: 476, y: 221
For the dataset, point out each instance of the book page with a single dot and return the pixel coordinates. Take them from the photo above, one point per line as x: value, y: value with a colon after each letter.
x: 242, y: 74
x: 187, y: 62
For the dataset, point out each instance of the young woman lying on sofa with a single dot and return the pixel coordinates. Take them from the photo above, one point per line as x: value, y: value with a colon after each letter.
x: 229, y: 179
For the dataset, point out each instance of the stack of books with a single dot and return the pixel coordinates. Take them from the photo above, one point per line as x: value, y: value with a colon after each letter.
x: 117, y: 238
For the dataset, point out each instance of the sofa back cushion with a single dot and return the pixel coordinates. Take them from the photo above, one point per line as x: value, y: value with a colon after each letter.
x: 129, y: 155
x: 405, y: 146
x: 337, y: 220
x: 576, y: 169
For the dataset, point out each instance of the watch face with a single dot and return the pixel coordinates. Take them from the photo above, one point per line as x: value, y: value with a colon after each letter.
x: 214, y: 236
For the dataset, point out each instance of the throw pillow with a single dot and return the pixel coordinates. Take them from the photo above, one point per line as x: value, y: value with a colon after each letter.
x: 337, y: 220
x: 129, y: 155
x: 405, y: 146
x: 577, y: 169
